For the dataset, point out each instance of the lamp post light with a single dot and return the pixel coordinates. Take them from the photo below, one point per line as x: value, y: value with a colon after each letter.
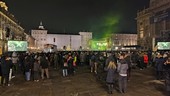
x: 35, y: 45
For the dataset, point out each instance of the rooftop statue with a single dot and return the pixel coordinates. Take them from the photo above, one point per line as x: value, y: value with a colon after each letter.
x: 3, y: 5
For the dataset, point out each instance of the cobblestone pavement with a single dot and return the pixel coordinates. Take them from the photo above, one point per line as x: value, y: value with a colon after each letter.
x: 83, y: 83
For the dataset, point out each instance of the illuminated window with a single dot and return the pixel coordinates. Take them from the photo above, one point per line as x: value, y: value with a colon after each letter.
x: 54, y: 40
x: 141, y: 32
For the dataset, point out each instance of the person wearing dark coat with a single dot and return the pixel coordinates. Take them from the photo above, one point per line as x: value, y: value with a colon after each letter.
x: 122, y: 70
x: 167, y: 76
x: 70, y: 65
x: 6, y: 64
x: 92, y: 61
x: 159, y: 63
x: 36, y: 68
x: 27, y: 67
x: 128, y: 60
x: 112, y: 57
x: 111, y: 70
x: 44, y: 64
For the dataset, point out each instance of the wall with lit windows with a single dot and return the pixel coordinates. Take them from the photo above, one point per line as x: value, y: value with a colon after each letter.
x: 121, y: 40
x: 40, y: 36
x: 10, y: 29
x: 152, y: 22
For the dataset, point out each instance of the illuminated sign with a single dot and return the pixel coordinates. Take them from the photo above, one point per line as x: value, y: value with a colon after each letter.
x: 163, y: 45
x: 98, y: 45
x: 17, y: 45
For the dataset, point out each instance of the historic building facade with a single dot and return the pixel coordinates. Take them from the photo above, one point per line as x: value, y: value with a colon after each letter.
x: 40, y: 36
x: 123, y: 41
x: 82, y: 41
x: 10, y: 28
x: 31, y: 43
x: 153, y: 24
x: 45, y: 41
x: 85, y: 37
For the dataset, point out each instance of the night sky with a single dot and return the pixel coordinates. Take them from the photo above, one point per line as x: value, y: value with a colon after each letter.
x: 101, y: 17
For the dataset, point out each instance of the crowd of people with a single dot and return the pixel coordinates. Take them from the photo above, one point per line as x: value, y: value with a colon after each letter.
x: 36, y: 65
